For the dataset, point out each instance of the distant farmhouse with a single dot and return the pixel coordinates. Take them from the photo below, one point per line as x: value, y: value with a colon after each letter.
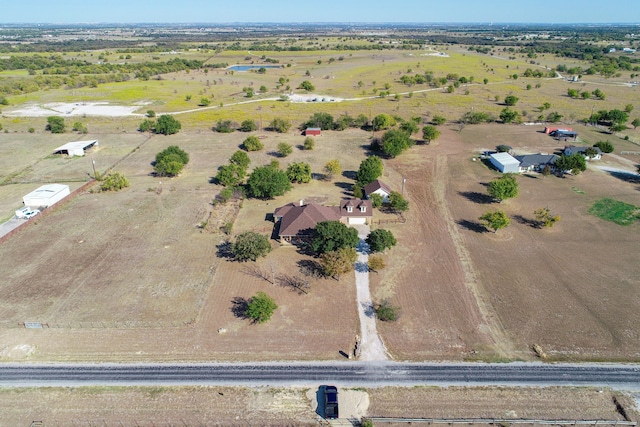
x: 296, y: 221
x: 76, y: 148
x: 572, y: 149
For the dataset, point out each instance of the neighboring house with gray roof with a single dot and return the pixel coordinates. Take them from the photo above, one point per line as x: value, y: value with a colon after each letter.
x: 296, y: 221
x: 536, y: 162
x: 377, y: 187
x: 572, y: 149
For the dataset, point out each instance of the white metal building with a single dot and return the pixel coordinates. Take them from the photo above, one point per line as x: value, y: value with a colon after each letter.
x: 46, y: 195
x: 505, y: 162
x: 75, y: 148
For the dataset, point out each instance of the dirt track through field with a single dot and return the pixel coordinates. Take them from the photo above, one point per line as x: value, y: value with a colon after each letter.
x: 491, y: 322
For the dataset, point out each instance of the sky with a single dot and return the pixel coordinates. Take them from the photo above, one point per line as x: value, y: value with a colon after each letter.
x: 289, y: 11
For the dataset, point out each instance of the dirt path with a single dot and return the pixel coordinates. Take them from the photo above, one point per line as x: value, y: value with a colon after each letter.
x: 370, y: 345
x: 494, y: 327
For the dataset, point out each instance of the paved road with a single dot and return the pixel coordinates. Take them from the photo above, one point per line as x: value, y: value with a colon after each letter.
x: 621, y: 377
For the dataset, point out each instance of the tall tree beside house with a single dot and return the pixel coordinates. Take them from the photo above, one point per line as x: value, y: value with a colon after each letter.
x: 338, y: 262
x: 370, y: 169
x: 495, y: 220
x: 397, y: 202
x: 249, y: 246
x: 380, y: 240
x: 575, y: 163
x: 504, y: 187
x: 333, y: 235
x: 395, y: 141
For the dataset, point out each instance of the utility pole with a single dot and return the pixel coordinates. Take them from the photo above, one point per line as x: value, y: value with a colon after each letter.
x: 93, y: 163
x: 403, y: 181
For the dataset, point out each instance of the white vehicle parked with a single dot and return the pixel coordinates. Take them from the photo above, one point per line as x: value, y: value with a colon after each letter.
x: 27, y: 212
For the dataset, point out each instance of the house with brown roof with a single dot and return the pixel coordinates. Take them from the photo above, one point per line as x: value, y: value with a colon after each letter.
x: 296, y: 221
x: 377, y: 187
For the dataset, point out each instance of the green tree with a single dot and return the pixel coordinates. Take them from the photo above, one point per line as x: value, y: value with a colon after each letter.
x: 508, y: 115
x: 307, y: 85
x: 332, y: 168
x: 370, y: 169
x: 495, y: 220
x: 266, y: 182
x: 383, y: 121
x: 55, y: 124
x: 585, y: 94
x: 438, y: 120
x: 151, y: 113
x: 309, y: 143
x: 333, y: 235
x: 376, y: 200
x: 224, y: 126
x: 299, y: 172
x: 554, y: 117
x: 241, y: 159
x: 575, y: 163
x: 604, y: 146
x: 397, y: 202
x: 430, y: 133
x: 173, y: 149
x: 380, y: 240
x: 170, y: 161
x: 338, y: 262
x: 617, y: 127
x: 573, y: 93
x: 252, y: 143
x: 167, y: 125
x: 80, y: 127
x: 248, y: 126
x: 261, y: 307
x: 230, y: 175
x: 248, y: 91
x: 599, y: 94
x: 635, y: 123
x: 545, y: 218
x: 343, y: 122
x: 628, y: 108
x: 284, y: 149
x: 387, y: 312
x: 205, y: 102
x: 113, y: 182
x: 323, y: 121
x: 249, y: 246
x: 409, y: 127
x: 545, y: 106
x: 504, y: 187
x: 147, y: 125
x: 511, y: 100
x: 477, y: 117
x: 280, y: 125
x: 395, y: 141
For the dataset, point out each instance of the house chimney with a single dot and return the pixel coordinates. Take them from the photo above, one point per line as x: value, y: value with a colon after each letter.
x: 301, y: 202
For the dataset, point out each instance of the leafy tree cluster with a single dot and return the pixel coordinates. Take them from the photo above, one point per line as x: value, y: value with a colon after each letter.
x: 252, y: 143
x: 615, y: 119
x: 476, y: 117
x: 495, y: 220
x: 370, y: 169
x: 395, y: 141
x: 430, y: 133
x: 604, y: 146
x: 224, y: 126
x: 249, y: 246
x: 330, y: 236
x: 284, y: 149
x: 545, y: 218
x: 338, y: 262
x: 55, y: 124
x: 308, y: 144
x: 248, y: 126
x: 280, y: 125
x: 165, y: 125
x: 383, y: 122
x: 299, y: 172
x: 379, y: 240
x: 267, y: 182
x: 387, y: 312
x: 113, y: 182
x: 261, y: 307
x: 332, y: 168
x: 80, y: 128
x: 307, y: 85
x: 574, y: 163
x: 511, y: 100
x: 508, y: 115
x: 170, y: 161
x: 232, y: 174
x: 504, y: 187
x: 397, y: 202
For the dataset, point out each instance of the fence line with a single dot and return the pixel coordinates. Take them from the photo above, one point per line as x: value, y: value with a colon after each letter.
x: 501, y: 421
x: 636, y: 153
x: 134, y: 324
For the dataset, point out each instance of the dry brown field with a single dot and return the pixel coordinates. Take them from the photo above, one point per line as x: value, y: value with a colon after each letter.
x: 133, y: 276
x: 571, y: 289
x: 266, y: 406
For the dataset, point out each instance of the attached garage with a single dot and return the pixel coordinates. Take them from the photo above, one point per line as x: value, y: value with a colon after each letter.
x: 76, y: 148
x: 356, y: 220
x: 46, y: 195
x: 505, y: 162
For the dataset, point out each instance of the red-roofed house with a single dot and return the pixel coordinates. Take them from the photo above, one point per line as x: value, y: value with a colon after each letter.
x: 296, y: 221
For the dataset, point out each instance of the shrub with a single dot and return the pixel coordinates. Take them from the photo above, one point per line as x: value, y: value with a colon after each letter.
x: 224, y: 126
x: 604, y: 146
x: 387, y: 312
x: 280, y: 125
x: 147, y: 125
x: 113, y: 182
x: 55, y: 124
x: 261, y: 307
x: 170, y: 161
x: 284, y: 149
x: 167, y: 125
x: 248, y: 126
x: 299, y: 172
x: 309, y: 143
x: 250, y: 246
x: 252, y: 143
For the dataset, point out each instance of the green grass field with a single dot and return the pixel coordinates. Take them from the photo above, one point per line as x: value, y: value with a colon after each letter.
x: 615, y: 211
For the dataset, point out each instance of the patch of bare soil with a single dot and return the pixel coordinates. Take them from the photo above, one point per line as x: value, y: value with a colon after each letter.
x: 491, y: 402
x: 157, y: 406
